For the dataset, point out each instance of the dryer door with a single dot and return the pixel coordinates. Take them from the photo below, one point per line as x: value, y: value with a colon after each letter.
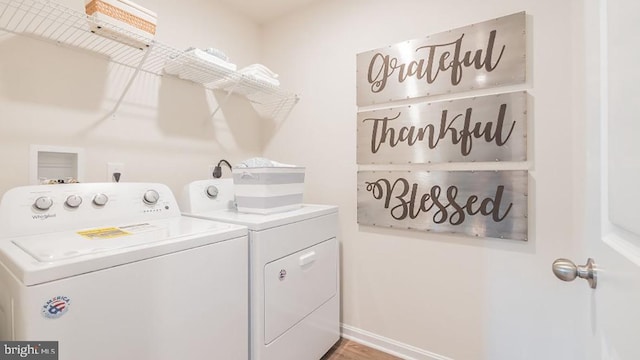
x: 298, y: 284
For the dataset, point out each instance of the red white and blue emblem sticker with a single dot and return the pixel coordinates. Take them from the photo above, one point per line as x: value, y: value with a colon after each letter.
x: 56, y: 307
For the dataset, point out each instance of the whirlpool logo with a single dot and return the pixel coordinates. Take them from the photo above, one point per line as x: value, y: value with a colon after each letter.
x: 56, y: 307
x: 43, y: 216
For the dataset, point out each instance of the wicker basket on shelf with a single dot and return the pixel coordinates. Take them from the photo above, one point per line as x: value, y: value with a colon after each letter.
x: 127, y: 22
x: 121, y: 15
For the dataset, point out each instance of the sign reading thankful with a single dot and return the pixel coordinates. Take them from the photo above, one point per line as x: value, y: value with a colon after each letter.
x: 486, y: 128
x: 479, y: 203
x: 478, y: 56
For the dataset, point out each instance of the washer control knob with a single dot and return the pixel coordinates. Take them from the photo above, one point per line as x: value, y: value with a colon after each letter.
x: 151, y: 197
x: 100, y: 199
x: 212, y: 192
x: 73, y: 201
x: 43, y: 203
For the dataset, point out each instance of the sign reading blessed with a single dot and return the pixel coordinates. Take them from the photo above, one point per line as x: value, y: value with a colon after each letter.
x: 482, y: 55
x: 478, y: 203
x: 487, y: 128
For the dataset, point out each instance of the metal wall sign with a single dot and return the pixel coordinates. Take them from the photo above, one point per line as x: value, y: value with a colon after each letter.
x: 482, y: 55
x: 478, y: 203
x: 486, y: 128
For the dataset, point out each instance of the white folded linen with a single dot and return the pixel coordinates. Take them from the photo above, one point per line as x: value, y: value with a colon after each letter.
x: 260, y: 73
x: 207, y: 57
x: 259, y: 70
x: 199, y: 66
x: 263, y: 79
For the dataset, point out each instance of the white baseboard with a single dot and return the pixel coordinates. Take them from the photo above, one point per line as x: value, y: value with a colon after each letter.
x: 387, y: 345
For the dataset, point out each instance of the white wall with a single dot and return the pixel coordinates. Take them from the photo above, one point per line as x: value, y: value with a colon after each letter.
x: 459, y: 297
x: 50, y: 95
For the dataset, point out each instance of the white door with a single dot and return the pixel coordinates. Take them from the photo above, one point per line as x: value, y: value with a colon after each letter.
x: 611, y: 191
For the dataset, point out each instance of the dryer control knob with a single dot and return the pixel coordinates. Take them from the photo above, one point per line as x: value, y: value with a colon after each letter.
x: 73, y: 201
x: 150, y: 197
x: 43, y: 203
x: 212, y: 192
x: 100, y: 199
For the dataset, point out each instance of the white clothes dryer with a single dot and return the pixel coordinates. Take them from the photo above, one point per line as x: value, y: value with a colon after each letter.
x: 294, y: 284
x: 114, y: 271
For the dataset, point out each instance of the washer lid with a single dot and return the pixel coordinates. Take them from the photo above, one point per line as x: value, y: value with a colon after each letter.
x: 259, y: 222
x: 41, y: 258
x: 69, y: 244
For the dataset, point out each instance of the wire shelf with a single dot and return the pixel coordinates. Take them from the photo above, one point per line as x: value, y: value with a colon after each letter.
x: 54, y: 22
x: 268, y: 100
x: 276, y: 107
x: 47, y: 20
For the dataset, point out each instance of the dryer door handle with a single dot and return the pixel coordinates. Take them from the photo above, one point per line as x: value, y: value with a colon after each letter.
x: 307, y: 258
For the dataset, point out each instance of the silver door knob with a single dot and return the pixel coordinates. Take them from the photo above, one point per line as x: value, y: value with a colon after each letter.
x: 566, y: 270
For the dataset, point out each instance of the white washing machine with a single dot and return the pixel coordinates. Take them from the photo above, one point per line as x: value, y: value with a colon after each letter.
x: 294, y: 284
x: 114, y: 271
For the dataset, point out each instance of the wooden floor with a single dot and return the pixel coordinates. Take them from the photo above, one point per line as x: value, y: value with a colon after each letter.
x: 349, y: 350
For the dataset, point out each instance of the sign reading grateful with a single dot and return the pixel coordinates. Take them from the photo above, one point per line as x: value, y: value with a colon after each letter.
x: 478, y: 56
x: 486, y: 128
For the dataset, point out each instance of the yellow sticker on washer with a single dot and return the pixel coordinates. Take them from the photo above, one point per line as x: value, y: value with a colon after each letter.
x: 103, y: 233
